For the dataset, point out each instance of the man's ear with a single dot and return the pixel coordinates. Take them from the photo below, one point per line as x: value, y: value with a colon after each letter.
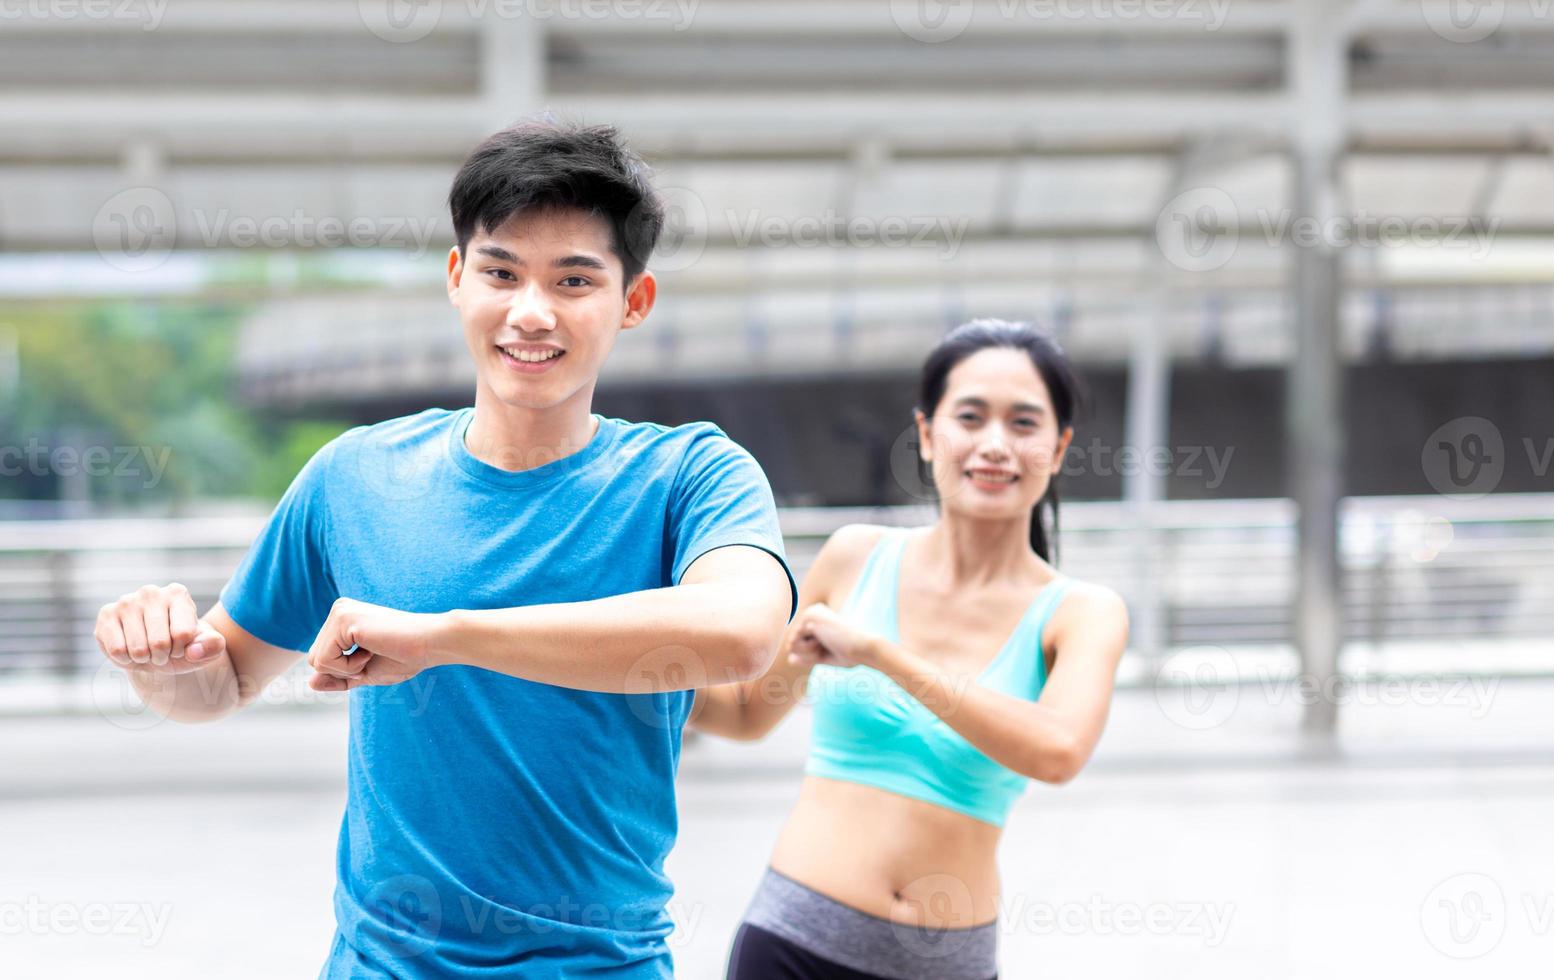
x: 640, y: 298
x: 455, y: 274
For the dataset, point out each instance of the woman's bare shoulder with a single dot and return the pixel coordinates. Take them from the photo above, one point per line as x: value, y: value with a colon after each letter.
x: 841, y: 559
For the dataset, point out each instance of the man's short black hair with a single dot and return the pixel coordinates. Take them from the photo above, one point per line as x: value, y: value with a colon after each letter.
x: 536, y: 165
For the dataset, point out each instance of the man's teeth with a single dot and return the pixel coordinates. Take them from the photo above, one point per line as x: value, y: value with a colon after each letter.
x: 532, y: 358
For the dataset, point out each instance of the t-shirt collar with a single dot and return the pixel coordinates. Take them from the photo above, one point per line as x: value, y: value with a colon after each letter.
x: 549, y: 472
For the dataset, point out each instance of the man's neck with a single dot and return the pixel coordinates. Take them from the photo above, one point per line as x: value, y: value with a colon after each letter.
x: 516, y: 439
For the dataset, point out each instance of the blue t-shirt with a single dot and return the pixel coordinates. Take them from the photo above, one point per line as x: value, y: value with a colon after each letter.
x: 497, y: 826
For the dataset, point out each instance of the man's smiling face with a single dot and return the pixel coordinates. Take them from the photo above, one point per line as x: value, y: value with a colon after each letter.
x: 542, y: 299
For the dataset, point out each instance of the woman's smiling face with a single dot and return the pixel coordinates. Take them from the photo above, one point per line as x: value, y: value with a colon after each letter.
x: 994, y: 440
x: 541, y: 299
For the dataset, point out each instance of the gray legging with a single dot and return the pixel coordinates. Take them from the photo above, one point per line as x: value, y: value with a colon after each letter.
x: 793, y: 932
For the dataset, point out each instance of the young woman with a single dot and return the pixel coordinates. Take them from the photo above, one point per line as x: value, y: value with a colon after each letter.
x: 946, y: 665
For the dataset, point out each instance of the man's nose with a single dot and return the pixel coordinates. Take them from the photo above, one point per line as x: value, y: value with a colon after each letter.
x: 531, y: 311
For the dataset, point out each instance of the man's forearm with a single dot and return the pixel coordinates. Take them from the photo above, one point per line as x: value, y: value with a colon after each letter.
x: 206, y: 694
x: 672, y: 639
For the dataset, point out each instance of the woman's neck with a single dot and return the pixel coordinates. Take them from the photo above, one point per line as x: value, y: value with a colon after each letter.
x: 968, y: 552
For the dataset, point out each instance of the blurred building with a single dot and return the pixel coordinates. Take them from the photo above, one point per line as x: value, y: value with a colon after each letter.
x: 846, y: 179
x: 1302, y: 251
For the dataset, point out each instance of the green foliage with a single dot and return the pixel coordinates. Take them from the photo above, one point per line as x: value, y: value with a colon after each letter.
x: 297, y: 443
x: 143, y: 381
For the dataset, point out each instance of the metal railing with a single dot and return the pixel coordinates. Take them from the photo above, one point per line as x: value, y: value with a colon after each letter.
x: 1418, y: 570
x: 1415, y: 568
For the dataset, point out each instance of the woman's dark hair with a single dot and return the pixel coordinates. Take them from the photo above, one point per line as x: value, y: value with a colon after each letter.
x: 1063, y: 384
x: 547, y: 164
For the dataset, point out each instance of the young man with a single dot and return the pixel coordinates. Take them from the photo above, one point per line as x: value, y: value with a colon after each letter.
x: 520, y: 598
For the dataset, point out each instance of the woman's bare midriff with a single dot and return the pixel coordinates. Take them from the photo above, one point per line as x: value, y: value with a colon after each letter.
x: 891, y: 856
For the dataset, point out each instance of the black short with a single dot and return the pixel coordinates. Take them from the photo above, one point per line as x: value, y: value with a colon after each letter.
x: 762, y: 955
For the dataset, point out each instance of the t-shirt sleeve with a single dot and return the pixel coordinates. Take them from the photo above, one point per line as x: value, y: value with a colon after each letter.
x: 721, y: 498
x: 283, y: 589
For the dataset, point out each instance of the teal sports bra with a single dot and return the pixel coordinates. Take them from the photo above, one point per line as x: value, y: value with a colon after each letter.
x: 869, y: 730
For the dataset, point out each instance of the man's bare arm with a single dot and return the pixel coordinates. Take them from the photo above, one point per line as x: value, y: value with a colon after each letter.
x: 186, y: 668
x: 748, y: 710
x: 722, y: 623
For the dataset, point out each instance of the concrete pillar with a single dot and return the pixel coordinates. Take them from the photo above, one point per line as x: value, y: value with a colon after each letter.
x: 1314, y: 396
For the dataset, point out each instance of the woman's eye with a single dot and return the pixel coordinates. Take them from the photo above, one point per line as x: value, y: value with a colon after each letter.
x: 968, y: 417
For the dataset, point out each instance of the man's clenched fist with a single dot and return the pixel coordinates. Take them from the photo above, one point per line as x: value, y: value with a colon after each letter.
x: 157, y: 628
x: 386, y: 646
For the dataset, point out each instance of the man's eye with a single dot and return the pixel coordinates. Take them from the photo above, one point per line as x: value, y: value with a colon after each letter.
x: 968, y: 417
x: 574, y: 281
x: 1027, y: 423
x: 500, y: 272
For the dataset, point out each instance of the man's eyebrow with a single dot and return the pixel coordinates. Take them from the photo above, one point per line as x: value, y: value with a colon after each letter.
x: 566, y: 262
x: 499, y: 253
x: 580, y: 262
